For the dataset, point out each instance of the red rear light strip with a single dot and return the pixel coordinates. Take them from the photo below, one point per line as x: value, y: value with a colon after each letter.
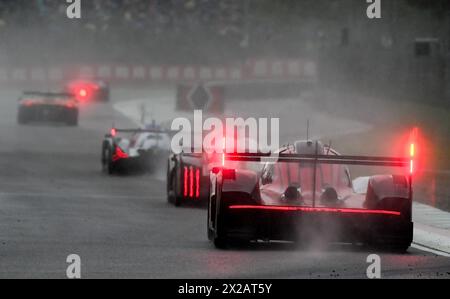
x: 191, y: 176
x: 186, y: 178
x: 119, y: 154
x: 197, y: 176
x: 191, y: 182
x: 312, y: 210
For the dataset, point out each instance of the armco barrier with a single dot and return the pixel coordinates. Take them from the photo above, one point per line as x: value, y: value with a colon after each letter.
x: 293, y: 69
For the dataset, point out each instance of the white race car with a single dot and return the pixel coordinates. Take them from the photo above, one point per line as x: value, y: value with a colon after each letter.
x: 142, y: 151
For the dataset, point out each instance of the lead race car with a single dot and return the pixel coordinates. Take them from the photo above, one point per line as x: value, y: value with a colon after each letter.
x: 142, y: 151
x: 48, y: 106
x: 305, y: 191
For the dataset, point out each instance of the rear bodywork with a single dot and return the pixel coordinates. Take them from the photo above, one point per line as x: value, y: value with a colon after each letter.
x: 245, y: 205
x: 188, y: 173
x: 48, y: 107
x: 188, y: 179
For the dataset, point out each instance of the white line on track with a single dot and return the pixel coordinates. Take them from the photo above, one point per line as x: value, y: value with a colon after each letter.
x: 430, y: 250
x: 53, y: 195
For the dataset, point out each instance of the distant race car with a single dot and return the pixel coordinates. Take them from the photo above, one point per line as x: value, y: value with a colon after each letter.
x: 46, y: 106
x: 143, y: 151
x: 89, y: 90
x: 305, y: 191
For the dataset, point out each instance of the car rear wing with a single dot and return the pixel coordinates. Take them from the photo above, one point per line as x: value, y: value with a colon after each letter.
x: 321, y: 159
x: 316, y: 159
x: 115, y: 131
x: 47, y: 94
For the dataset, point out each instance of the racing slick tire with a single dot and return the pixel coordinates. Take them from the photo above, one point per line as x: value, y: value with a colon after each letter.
x: 107, y: 163
x: 73, y: 122
x: 172, y: 186
x: 170, y: 190
x: 220, y: 243
x: 72, y: 119
x: 21, y: 118
x: 220, y: 240
x: 399, y: 248
x: 106, y: 97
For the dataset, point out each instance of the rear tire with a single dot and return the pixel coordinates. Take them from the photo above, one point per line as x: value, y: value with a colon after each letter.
x: 169, y: 183
x: 21, y: 119
x: 105, y: 96
x: 210, y: 232
x: 73, y: 119
x: 220, y: 243
x: 400, y: 248
x: 172, y: 187
x: 176, y: 199
x: 107, y: 163
x: 220, y: 239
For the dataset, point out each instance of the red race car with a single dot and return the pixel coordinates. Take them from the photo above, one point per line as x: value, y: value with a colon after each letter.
x: 305, y: 192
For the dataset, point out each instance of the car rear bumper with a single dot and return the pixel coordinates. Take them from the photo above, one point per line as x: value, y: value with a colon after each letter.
x: 47, y: 113
x: 285, y: 225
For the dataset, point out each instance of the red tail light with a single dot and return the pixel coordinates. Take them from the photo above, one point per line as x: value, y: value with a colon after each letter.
x: 191, y: 176
x: 119, y: 154
x: 186, y: 178
x: 412, y: 150
x: 83, y: 93
x: 197, y: 179
x: 191, y: 182
x: 83, y: 90
x: 28, y: 103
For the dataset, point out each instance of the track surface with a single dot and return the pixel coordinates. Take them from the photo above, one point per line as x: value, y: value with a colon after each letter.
x: 54, y: 201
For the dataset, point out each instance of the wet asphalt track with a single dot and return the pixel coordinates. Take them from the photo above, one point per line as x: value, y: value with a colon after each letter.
x: 54, y: 201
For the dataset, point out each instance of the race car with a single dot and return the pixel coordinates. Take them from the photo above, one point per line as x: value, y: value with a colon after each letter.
x: 188, y: 178
x: 46, y: 106
x: 89, y: 90
x: 188, y: 175
x: 304, y: 193
x: 143, y: 151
